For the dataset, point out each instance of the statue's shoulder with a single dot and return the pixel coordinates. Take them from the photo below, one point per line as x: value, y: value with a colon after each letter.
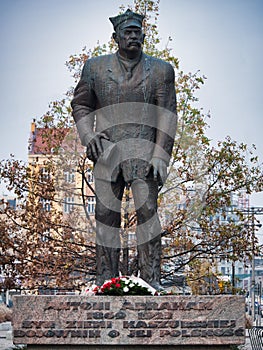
x: 95, y: 66
x: 99, y: 60
x: 157, y: 64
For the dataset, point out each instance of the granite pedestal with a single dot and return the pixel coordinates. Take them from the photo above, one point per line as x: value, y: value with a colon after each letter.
x: 131, y: 322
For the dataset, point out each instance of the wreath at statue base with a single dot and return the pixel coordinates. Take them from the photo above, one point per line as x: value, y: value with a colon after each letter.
x: 125, y: 285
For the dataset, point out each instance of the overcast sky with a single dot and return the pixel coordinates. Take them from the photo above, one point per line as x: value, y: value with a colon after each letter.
x: 222, y: 39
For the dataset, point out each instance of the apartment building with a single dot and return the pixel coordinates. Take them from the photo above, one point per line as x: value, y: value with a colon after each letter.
x: 55, y: 154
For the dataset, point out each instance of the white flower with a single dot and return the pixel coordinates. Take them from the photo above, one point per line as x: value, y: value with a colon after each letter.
x: 131, y: 285
x: 142, y: 283
x: 89, y: 292
x: 126, y: 289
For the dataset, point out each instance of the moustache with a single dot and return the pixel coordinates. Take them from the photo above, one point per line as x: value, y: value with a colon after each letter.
x: 138, y: 43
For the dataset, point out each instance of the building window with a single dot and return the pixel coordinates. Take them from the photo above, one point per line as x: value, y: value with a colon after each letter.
x: 131, y: 237
x: 91, y: 204
x: 69, y: 176
x: 90, y: 177
x: 45, y: 236
x: 44, y: 174
x: 68, y: 204
x: 182, y: 206
x: 45, y: 204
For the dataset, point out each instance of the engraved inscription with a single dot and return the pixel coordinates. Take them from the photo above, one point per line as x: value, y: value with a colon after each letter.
x: 130, y: 320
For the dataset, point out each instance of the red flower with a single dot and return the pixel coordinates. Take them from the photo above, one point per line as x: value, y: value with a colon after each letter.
x: 118, y: 285
x: 107, y: 285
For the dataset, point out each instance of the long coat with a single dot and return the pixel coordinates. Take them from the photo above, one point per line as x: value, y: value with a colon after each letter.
x: 137, y: 112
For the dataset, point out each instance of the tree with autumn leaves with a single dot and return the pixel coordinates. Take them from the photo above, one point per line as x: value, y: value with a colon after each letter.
x: 45, y: 249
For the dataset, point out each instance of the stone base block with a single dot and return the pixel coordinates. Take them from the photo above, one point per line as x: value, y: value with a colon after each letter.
x: 128, y: 347
x: 131, y: 322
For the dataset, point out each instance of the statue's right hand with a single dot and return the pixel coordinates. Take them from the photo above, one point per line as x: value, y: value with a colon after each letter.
x: 94, y: 147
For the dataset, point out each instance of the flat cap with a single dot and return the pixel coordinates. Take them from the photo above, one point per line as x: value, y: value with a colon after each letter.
x: 127, y: 19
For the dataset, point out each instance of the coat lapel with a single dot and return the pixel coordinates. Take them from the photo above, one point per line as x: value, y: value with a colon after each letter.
x: 146, y: 63
x: 115, y: 72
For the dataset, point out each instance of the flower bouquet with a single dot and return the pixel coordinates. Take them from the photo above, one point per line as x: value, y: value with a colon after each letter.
x: 122, y: 286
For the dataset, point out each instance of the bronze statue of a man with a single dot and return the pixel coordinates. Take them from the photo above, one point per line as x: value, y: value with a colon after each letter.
x: 124, y: 107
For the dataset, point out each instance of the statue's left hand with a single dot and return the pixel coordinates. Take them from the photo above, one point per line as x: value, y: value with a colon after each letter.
x: 159, y: 167
x: 94, y: 147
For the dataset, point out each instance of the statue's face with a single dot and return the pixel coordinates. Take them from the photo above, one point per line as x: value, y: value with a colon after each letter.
x: 129, y: 40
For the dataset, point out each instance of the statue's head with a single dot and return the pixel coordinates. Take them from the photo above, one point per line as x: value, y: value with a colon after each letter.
x: 128, y: 33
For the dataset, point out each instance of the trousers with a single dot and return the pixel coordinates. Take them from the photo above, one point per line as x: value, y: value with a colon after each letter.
x: 108, y: 222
